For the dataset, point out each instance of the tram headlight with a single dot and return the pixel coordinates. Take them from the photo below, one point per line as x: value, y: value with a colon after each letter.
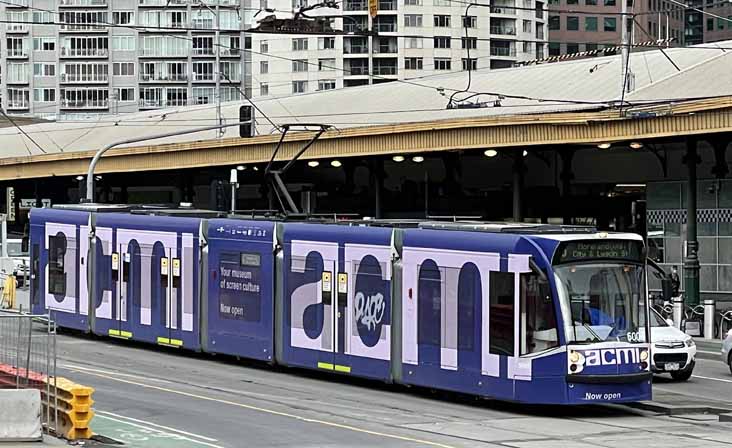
x: 574, y: 357
x: 644, y: 355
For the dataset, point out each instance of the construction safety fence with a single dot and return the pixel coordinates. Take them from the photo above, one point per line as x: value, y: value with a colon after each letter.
x: 28, y: 361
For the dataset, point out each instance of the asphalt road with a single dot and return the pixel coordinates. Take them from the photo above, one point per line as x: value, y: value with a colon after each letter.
x: 155, y: 397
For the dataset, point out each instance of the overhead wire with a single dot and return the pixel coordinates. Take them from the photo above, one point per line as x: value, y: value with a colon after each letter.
x: 22, y: 131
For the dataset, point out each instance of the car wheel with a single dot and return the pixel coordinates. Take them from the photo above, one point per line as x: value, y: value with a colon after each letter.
x: 683, y: 375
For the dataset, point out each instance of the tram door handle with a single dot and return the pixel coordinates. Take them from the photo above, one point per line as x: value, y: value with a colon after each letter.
x: 327, y: 287
x: 164, y: 272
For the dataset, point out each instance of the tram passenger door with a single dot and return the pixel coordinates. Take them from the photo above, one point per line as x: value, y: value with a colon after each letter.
x: 170, y: 282
x: 121, y: 272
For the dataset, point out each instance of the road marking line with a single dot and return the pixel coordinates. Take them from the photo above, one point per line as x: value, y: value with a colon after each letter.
x: 710, y: 353
x: 711, y: 378
x: 158, y: 430
x: 271, y: 412
x: 198, y: 436
x: 89, y: 369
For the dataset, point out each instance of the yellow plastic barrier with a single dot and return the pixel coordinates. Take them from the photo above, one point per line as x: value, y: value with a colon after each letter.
x: 73, y: 405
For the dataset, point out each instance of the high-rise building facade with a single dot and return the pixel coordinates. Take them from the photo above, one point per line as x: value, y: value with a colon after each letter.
x: 413, y: 38
x: 585, y: 25
x: 69, y: 57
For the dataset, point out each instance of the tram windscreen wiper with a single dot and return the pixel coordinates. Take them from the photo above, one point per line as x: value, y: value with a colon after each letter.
x: 595, y: 336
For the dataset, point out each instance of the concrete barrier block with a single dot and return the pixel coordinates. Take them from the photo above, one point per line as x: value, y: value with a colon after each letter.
x: 20, y: 415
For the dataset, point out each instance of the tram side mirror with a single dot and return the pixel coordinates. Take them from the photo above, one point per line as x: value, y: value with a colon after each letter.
x: 667, y: 288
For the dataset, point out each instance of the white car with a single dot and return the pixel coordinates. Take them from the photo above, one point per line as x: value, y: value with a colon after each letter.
x: 21, y: 260
x: 727, y: 350
x: 673, y: 351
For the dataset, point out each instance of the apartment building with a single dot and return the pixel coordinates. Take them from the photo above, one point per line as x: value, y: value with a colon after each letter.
x: 413, y: 38
x: 595, y: 24
x: 69, y: 58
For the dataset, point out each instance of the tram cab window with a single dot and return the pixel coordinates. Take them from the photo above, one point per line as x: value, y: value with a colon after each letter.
x: 56, y: 274
x: 538, y: 320
x: 501, y: 315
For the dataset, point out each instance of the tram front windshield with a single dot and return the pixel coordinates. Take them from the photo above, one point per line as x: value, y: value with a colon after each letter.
x: 601, y: 301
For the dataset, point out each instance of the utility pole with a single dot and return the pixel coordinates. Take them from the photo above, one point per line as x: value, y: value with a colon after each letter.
x: 221, y: 131
x: 625, y: 60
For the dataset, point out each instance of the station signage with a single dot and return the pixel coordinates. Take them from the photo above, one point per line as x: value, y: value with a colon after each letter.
x: 27, y: 204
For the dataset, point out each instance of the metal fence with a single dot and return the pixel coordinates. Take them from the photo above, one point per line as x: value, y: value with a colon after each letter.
x: 28, y: 359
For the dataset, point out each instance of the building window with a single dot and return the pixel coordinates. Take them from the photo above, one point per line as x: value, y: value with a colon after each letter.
x: 710, y: 24
x: 264, y: 47
x: 470, y: 64
x: 326, y: 43
x: 326, y: 84
x: 123, y: 43
x: 572, y: 2
x: 300, y: 65
x: 413, y: 20
x: 442, y: 42
x: 123, y: 69
x: 125, y: 95
x: 413, y: 42
x: 299, y: 86
x: 300, y: 44
x: 609, y: 2
x: 470, y: 42
x: 442, y: 21
x: 263, y: 67
x: 590, y: 47
x: 413, y: 2
x: 609, y: 24
x: 44, y: 69
x: 443, y: 64
x: 528, y: 47
x: 44, y: 95
x: 554, y: 49
x: 263, y: 89
x: 591, y: 2
x: 554, y: 23
x: 326, y: 65
x: 123, y: 17
x: 527, y: 26
x: 413, y: 63
x: 590, y: 23
x: 44, y: 43
x: 572, y: 48
x: 470, y: 21
x: 572, y: 23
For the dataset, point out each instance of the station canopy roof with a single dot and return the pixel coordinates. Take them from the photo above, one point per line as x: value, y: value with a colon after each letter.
x: 679, y: 75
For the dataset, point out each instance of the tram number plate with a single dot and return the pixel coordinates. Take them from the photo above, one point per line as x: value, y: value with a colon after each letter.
x: 671, y: 366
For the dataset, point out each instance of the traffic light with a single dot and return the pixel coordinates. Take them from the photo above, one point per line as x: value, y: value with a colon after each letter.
x: 246, y: 117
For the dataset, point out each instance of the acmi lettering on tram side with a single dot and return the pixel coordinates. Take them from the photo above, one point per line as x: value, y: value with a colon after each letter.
x: 611, y: 356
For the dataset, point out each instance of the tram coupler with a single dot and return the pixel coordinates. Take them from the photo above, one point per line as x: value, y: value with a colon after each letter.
x: 678, y: 305
x: 709, y: 310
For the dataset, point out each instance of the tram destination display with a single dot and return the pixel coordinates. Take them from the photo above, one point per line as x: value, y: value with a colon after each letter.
x: 577, y: 251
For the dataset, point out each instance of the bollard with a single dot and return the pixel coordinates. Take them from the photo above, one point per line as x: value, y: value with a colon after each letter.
x: 709, y: 308
x: 678, y: 304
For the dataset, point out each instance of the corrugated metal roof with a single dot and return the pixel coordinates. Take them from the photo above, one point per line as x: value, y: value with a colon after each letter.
x: 581, y: 85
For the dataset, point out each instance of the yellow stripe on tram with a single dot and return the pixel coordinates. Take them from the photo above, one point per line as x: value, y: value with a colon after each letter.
x: 170, y: 342
x: 343, y: 369
x: 325, y: 365
x: 120, y: 334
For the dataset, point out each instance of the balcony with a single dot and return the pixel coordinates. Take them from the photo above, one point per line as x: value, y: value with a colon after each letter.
x: 503, y: 7
x: 355, y: 49
x: 386, y: 70
x: 86, y: 27
x: 161, y: 103
x: 385, y: 27
x: 163, y: 77
x: 16, y: 27
x: 84, y: 104
x: 503, y: 52
x: 16, y: 53
x: 205, y: 51
x: 84, y: 52
x: 83, y: 3
x: 355, y: 5
x: 17, y: 104
x: 163, y: 3
x: 387, y: 5
x: 72, y: 78
x: 16, y: 4
x: 504, y: 30
x: 357, y: 71
x: 227, y: 52
x: 203, y: 77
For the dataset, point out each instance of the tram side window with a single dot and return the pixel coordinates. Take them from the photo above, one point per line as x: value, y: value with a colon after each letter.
x: 56, y: 274
x: 538, y: 320
x: 501, y: 317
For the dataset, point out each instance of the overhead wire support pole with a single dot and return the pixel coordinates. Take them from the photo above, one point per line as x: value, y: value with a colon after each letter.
x: 98, y: 156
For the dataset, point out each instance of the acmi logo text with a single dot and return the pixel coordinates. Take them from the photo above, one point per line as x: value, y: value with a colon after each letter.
x: 611, y: 356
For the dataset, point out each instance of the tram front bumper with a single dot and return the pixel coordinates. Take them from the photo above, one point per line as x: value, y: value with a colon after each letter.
x: 585, y: 389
